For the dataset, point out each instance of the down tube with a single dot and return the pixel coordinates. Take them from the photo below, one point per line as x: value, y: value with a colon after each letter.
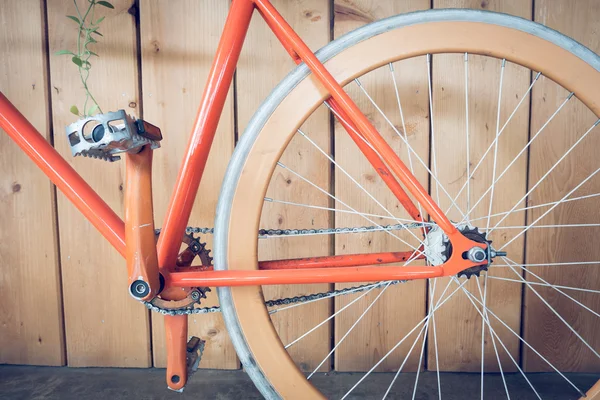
x: 60, y: 172
x: 205, y: 126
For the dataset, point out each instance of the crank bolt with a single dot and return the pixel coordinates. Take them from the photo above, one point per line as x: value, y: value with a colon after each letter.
x: 476, y: 254
x: 139, y: 289
x: 195, y: 295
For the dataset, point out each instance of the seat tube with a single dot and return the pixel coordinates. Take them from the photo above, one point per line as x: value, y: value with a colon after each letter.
x: 205, y: 126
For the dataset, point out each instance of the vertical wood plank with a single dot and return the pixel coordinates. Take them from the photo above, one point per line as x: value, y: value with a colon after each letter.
x: 263, y: 64
x: 542, y: 329
x: 458, y: 323
x: 402, y: 306
x: 31, y: 326
x: 104, y: 327
x: 178, y: 41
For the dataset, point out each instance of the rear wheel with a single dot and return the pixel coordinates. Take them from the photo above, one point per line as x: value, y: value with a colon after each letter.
x: 481, y: 173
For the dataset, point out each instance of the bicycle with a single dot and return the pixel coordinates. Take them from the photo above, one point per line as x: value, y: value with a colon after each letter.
x: 157, y: 272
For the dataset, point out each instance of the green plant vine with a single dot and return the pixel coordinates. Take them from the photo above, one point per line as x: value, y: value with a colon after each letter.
x: 88, y: 30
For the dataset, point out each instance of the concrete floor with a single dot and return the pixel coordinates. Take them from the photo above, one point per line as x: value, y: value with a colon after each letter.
x: 44, y: 383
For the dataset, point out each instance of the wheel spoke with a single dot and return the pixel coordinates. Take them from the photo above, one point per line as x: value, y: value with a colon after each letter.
x: 432, y: 129
x: 574, y: 263
x: 494, y: 334
x: 588, y: 196
x: 328, y: 318
x: 423, y: 329
x: 514, y: 160
x: 550, y: 226
x: 424, y: 320
x: 425, y: 334
x: 393, y: 127
x: 347, y: 206
x: 468, y: 150
x: 490, y: 312
x: 355, y: 290
x: 499, y: 278
x: 411, y: 166
x: 554, y: 311
x: 550, y: 209
x: 470, y: 176
x: 483, y: 320
x: 291, y: 203
x: 435, y: 347
x: 484, y: 297
x: 495, y: 148
x: 408, y: 148
x: 547, y: 284
x: 349, y: 330
x: 352, y: 179
x: 349, y: 124
x: 547, y: 173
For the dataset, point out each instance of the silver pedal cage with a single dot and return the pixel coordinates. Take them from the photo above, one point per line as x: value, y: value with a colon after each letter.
x: 104, y: 136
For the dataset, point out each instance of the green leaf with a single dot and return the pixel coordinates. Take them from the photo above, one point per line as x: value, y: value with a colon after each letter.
x: 74, y: 110
x: 93, y: 54
x: 97, y: 33
x: 93, y: 109
x: 74, y: 19
x: 62, y: 52
x: 99, y: 20
x: 105, y: 4
x: 77, y: 61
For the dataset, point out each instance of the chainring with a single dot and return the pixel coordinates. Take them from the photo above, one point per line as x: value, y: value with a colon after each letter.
x: 194, y: 249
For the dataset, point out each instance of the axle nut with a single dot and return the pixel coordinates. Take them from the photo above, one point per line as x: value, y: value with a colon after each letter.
x: 476, y: 254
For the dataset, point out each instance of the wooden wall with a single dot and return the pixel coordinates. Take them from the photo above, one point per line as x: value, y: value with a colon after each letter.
x: 64, y: 300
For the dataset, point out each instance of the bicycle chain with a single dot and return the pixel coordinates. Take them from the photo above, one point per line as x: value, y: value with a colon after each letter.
x: 264, y: 233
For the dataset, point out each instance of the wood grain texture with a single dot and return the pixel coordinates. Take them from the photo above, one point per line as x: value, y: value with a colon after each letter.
x: 542, y: 329
x: 399, y: 309
x: 264, y: 63
x: 178, y: 42
x: 31, y: 326
x: 458, y: 323
x: 104, y: 326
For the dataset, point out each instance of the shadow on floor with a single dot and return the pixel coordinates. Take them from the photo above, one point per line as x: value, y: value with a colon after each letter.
x: 44, y: 383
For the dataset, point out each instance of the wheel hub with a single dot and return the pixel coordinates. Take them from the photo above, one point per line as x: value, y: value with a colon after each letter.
x: 438, y: 249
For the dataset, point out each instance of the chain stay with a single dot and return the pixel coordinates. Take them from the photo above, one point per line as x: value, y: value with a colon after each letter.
x: 276, y: 302
x: 263, y: 233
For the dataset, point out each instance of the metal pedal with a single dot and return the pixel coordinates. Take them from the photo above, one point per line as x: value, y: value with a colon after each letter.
x: 104, y: 136
x: 194, y: 350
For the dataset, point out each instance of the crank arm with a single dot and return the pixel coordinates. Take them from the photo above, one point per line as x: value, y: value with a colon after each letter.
x: 140, y: 241
x: 183, y: 357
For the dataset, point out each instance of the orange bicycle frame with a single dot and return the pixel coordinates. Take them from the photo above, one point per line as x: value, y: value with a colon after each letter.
x: 343, y: 268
